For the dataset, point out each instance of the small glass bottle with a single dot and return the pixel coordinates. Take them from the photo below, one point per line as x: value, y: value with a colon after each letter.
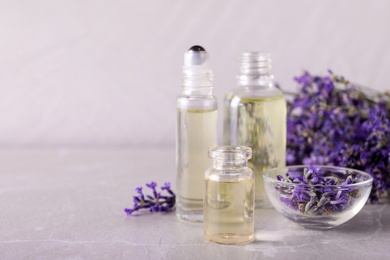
x: 255, y: 116
x: 229, y: 196
x: 196, y: 133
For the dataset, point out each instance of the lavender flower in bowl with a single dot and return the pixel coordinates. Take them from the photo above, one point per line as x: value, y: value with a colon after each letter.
x: 318, y: 197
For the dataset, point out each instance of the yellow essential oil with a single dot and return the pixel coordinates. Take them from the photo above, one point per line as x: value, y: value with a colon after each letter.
x: 229, y: 196
x: 196, y: 131
x: 255, y: 116
x: 260, y: 123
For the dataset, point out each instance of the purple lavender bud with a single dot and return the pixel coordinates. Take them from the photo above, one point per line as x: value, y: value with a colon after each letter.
x: 164, y: 208
x: 155, y: 208
x: 139, y: 190
x: 152, y: 185
x: 128, y: 211
x: 167, y: 186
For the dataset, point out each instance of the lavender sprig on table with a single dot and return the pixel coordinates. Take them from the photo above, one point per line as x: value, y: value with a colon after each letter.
x: 157, y: 202
x: 332, y: 122
x: 319, y: 198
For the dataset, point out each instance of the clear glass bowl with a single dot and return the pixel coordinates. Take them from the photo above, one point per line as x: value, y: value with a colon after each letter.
x: 318, y: 206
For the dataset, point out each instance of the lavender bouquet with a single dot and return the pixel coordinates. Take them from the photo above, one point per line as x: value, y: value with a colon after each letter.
x: 332, y: 122
x: 159, y: 202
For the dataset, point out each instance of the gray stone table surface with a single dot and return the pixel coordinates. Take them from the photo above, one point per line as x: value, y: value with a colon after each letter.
x: 68, y: 204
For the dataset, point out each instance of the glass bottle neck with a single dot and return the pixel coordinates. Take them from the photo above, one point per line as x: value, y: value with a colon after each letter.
x: 197, y: 91
x: 256, y: 82
x: 197, y: 82
x: 230, y: 157
x: 230, y: 165
x: 255, y: 70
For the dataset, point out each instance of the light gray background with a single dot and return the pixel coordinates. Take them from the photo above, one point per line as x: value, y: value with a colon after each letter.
x: 107, y: 72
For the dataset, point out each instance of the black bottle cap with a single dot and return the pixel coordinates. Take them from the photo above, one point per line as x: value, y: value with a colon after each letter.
x: 197, y: 48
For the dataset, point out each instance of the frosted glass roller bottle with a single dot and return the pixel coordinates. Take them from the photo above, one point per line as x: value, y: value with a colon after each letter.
x: 196, y: 132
